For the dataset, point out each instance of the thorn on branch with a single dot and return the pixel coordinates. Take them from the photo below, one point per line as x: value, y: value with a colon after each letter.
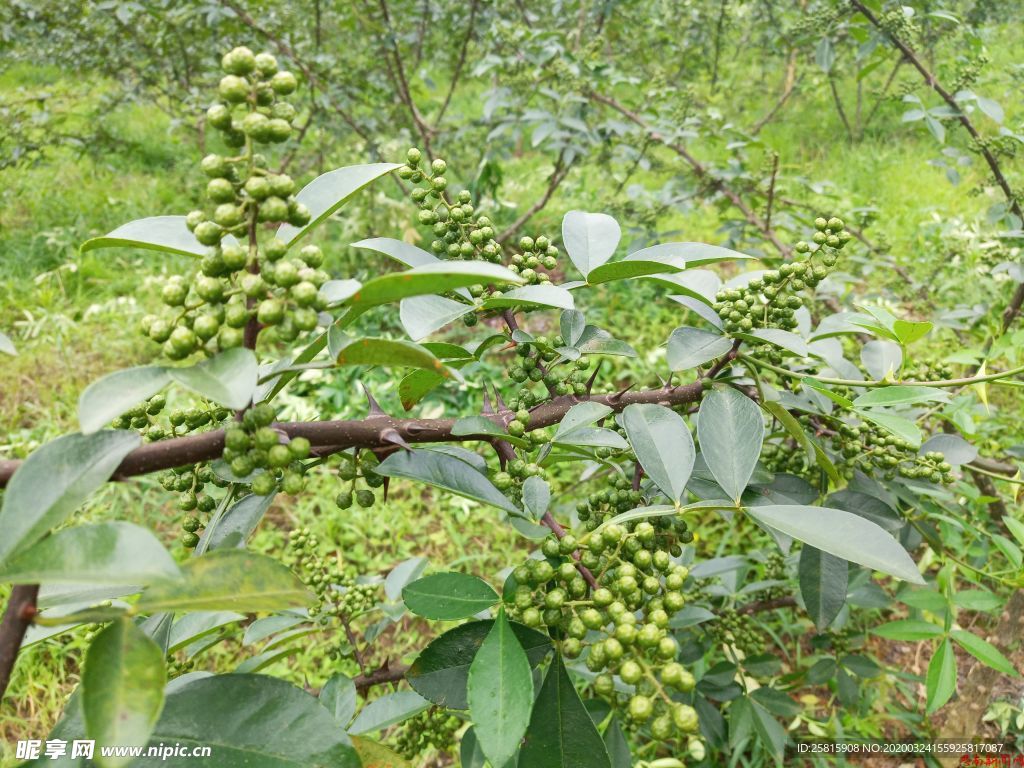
x: 613, y: 399
x: 375, y: 409
x: 391, y: 435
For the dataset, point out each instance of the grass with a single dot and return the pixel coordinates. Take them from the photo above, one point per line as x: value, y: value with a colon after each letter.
x: 73, y: 316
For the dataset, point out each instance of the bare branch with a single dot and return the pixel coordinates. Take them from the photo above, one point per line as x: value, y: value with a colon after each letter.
x: 21, y: 609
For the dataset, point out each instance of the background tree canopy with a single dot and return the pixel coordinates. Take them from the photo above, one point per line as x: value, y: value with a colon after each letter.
x: 510, y: 384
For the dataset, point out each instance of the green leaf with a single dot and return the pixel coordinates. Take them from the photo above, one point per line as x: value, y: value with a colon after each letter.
x: 597, y: 341
x: 448, y: 596
x: 641, y: 513
x: 561, y: 733
x: 228, y: 580
x: 109, y: 397
x: 54, y: 480
x: 1016, y: 527
x: 532, y: 296
x: 388, y: 710
x: 228, y: 379
x: 416, y: 385
x: 907, y: 630
x: 340, y: 698
x: 500, y: 692
x: 730, y: 431
x: 617, y: 746
x: 193, y: 626
x: 422, y: 315
x: 156, y: 233
x: 902, y: 428
x: 984, y: 652
x: 445, y: 472
x: 374, y: 755
x: 582, y: 415
x: 431, y: 278
x: 592, y: 437
x: 1010, y: 550
x: 694, y: 254
x: 590, y: 239
x: 122, y: 689
x: 902, y: 394
x: 400, y: 251
x: 536, y: 496
x: 241, y: 716
x: 690, y: 347
x: 978, y: 600
x: 102, y: 553
x: 572, y: 323
x: 482, y: 425
x: 940, y: 682
x: 234, y: 527
x: 327, y: 193
x: 778, y: 338
x: 339, y: 291
x: 989, y: 106
x: 638, y: 264
x: 881, y: 358
x: 663, y: 446
x: 908, y: 332
x: 842, y: 534
x: 441, y: 671
x: 823, y: 583
x: 349, y: 350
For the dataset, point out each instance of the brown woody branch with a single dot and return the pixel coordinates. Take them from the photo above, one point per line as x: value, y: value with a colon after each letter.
x: 20, y: 611
x: 371, y: 432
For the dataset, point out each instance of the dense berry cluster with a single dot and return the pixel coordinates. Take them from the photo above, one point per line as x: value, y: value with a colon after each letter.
x: 190, y: 482
x: 352, y: 468
x: 926, y: 372
x: 433, y: 729
x: 264, y: 456
x: 620, y: 497
x: 461, y: 232
x: 737, y: 630
x: 872, y: 448
x: 534, y: 366
x: 623, y: 625
x: 771, y: 300
x: 339, y: 595
x: 241, y: 284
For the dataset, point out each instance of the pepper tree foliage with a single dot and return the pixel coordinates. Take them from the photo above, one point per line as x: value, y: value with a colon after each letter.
x: 807, y: 425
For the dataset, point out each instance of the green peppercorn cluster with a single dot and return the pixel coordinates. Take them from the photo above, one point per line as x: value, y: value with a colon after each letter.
x: 143, y: 418
x: 339, y: 595
x: 253, y: 447
x: 238, y: 285
x: 601, y: 506
x: 536, y: 254
x: 353, y: 468
x: 190, y: 483
x: 783, y: 457
x: 622, y: 626
x: 926, y: 372
x: 771, y: 301
x: 775, y: 570
x: 872, y: 448
x: 433, y: 729
x: 460, y: 232
x: 738, y: 630
x: 534, y: 366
